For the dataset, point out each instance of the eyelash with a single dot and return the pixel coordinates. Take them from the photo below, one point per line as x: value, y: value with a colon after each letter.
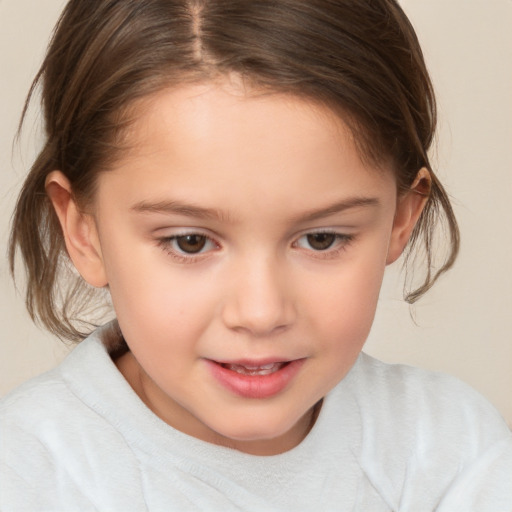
x: 340, y: 244
x: 182, y: 257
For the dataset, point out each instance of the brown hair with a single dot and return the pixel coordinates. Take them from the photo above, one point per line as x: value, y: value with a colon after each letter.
x: 360, y: 57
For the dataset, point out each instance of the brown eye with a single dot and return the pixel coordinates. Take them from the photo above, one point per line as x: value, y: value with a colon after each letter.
x: 191, y: 244
x: 321, y: 241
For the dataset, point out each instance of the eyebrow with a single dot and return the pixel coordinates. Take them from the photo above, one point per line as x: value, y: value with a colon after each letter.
x: 199, y: 212
x: 180, y: 208
x: 340, y: 206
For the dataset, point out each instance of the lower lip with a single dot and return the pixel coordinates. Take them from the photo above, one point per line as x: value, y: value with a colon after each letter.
x: 255, y: 386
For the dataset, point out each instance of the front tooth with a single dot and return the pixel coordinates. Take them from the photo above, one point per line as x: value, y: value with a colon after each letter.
x: 254, y: 370
x: 263, y: 367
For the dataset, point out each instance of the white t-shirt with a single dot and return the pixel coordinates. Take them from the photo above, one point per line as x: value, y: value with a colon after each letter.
x: 388, y: 438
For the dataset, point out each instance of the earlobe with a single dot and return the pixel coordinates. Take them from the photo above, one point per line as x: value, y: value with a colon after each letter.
x: 408, y: 211
x: 79, y: 229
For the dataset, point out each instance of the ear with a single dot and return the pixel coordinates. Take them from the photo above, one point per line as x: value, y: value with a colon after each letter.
x: 80, y: 232
x: 408, y: 211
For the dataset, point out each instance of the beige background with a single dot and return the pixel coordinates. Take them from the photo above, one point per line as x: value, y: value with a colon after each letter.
x: 464, y: 325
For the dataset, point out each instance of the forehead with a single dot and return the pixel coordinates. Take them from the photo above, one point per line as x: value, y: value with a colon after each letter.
x: 228, y: 106
x: 220, y: 140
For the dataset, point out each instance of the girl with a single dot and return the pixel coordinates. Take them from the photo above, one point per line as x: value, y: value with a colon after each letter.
x: 237, y: 175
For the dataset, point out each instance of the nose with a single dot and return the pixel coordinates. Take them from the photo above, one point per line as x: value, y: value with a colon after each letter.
x: 259, y: 300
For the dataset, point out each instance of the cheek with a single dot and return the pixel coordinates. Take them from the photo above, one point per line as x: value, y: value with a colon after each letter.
x: 343, y: 304
x: 152, y: 299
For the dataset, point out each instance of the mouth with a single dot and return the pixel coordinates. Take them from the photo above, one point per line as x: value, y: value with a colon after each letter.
x: 265, y: 369
x: 252, y: 379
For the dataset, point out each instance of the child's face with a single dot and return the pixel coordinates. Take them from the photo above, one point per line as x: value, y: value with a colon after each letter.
x: 243, y: 231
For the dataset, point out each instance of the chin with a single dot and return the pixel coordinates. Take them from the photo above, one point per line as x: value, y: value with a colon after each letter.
x: 249, y: 432
x: 261, y: 435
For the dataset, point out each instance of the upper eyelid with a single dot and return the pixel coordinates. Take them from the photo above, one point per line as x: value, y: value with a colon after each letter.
x: 339, y: 234
x: 181, y: 231
x: 168, y: 233
x: 348, y: 232
x: 314, y: 231
x: 186, y: 231
x: 190, y: 233
x: 165, y: 243
x: 339, y: 246
x: 172, y: 233
x: 183, y: 257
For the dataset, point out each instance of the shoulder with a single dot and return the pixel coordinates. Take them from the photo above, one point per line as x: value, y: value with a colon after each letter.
x: 429, y: 436
x: 54, y: 401
x: 45, y: 396
x: 421, y: 395
x: 37, y: 417
x: 29, y: 404
x: 45, y: 417
x: 32, y: 419
x: 55, y: 445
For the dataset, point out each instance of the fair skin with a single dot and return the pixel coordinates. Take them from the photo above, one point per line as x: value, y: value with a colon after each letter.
x: 244, y: 243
